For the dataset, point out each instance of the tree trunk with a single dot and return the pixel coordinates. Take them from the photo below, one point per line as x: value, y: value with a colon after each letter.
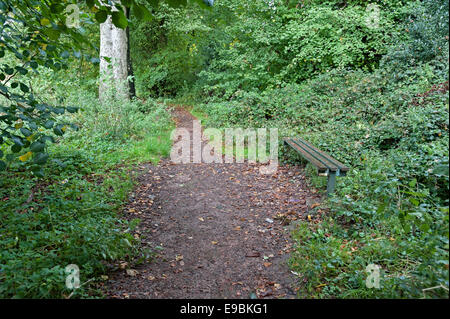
x: 120, y: 65
x: 113, y: 62
x: 129, y: 64
x: 106, y: 54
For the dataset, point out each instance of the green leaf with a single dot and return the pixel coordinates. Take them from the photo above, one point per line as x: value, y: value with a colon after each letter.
x: 24, y: 88
x: 59, y: 110
x: 21, y: 70
x: 58, y: 130
x: 37, y: 147
x: 414, y: 201
x: 2, y: 166
x: 26, y: 132
x: 34, y: 65
x: 142, y: 13
x: 45, y: 21
x: 40, y: 158
x: 52, y: 34
x: 72, y: 109
x: 49, y: 124
x: 16, y: 148
x: 101, y: 16
x: 119, y: 19
x: 38, y: 173
x: 17, y: 140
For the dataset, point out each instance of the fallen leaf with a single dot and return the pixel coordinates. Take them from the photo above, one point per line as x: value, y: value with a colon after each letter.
x: 132, y: 272
x: 267, y: 264
x: 123, y: 265
x: 253, y: 254
x: 269, y: 292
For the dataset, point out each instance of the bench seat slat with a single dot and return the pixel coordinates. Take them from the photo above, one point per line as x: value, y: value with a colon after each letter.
x: 334, y: 161
x: 320, y: 166
x: 323, y: 161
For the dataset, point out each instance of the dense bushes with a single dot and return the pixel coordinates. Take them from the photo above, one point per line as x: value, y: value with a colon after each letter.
x: 164, y: 53
x: 61, y: 220
x: 70, y: 216
x: 268, y: 46
x: 389, y: 124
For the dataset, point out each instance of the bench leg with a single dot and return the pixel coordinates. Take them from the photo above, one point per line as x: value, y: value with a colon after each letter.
x: 331, y: 183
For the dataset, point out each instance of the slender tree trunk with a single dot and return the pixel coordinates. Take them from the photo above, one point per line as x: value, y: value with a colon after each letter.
x: 120, y: 65
x: 129, y: 64
x: 106, y: 54
x: 113, y: 62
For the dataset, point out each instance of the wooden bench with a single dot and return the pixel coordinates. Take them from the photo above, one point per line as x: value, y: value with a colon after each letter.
x: 325, y: 164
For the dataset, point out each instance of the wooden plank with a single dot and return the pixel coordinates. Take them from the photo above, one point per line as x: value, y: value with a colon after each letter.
x: 323, y: 161
x: 321, y: 167
x: 340, y: 165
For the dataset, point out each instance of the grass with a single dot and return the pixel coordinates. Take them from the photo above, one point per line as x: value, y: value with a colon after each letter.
x: 72, y: 215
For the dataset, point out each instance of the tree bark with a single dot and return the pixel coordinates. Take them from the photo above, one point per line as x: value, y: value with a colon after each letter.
x: 129, y: 64
x: 113, y: 62
x: 106, y: 54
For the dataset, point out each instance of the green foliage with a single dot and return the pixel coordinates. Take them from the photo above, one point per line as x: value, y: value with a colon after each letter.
x: 165, y: 53
x: 66, y: 218
x: 255, y: 46
x: 35, y: 35
x: 387, y: 120
x: 29, y: 39
x: 69, y: 216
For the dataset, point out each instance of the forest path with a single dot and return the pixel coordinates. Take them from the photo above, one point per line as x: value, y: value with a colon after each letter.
x: 224, y: 230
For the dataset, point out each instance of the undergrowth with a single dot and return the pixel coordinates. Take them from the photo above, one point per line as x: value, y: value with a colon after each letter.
x: 72, y: 214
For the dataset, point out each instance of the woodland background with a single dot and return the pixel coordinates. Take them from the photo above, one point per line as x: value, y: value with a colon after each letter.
x: 375, y: 98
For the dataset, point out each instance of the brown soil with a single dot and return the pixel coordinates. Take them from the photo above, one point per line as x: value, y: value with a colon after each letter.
x: 224, y: 230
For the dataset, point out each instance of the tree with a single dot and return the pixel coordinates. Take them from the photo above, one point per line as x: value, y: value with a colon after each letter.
x: 36, y: 34
x: 115, y: 59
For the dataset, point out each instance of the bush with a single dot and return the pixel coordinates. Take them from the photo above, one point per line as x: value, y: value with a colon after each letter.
x: 70, y: 216
x: 391, y: 127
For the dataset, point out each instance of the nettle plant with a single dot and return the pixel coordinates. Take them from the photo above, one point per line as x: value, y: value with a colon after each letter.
x: 45, y: 34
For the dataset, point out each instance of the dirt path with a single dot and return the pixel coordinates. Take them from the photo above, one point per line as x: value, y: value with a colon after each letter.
x: 223, y: 229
